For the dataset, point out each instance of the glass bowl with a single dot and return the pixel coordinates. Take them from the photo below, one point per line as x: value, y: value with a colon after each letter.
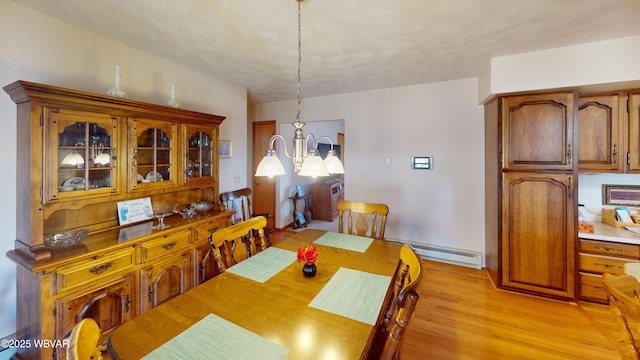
x: 202, y: 206
x: 65, y: 239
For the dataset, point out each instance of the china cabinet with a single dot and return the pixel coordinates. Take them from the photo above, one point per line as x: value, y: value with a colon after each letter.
x: 153, y: 154
x: 83, y: 145
x: 198, y: 165
x: 79, y: 155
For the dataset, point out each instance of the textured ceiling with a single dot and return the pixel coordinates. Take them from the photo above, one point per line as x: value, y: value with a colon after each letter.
x: 347, y: 45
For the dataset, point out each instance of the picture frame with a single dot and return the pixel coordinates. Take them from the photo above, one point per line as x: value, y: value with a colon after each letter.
x: 224, y: 149
x: 300, y: 190
x: 620, y: 195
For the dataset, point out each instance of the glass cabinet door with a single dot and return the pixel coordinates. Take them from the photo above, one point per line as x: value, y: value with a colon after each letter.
x: 154, y: 154
x: 83, y: 154
x: 201, y: 156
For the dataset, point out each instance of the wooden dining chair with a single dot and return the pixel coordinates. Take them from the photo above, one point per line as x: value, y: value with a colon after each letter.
x: 238, y: 242
x: 240, y: 201
x: 401, y: 300
x: 359, y: 214
x: 624, y: 300
x: 83, y: 341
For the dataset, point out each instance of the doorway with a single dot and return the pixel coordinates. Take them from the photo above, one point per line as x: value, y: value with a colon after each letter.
x: 264, y: 188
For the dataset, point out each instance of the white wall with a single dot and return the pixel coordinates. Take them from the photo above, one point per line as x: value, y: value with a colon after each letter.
x: 442, y: 206
x: 603, y: 65
x: 41, y: 49
x: 612, y: 62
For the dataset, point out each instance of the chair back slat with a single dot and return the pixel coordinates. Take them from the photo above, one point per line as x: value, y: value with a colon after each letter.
x: 238, y: 242
x: 391, y: 348
x: 240, y: 201
x: 400, y: 302
x: 358, y: 215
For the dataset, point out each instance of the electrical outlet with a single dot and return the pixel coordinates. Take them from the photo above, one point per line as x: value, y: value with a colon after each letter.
x: 363, y: 176
x: 236, y: 178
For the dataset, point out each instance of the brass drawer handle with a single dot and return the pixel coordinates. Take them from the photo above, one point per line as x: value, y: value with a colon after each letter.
x: 101, y: 268
x: 609, y: 266
x: 169, y: 246
x: 609, y: 249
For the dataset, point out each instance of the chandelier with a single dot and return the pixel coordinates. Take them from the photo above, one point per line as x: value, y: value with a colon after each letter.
x: 306, y: 162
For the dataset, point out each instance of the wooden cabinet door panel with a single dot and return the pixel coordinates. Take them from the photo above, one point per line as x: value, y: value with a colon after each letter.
x: 539, y: 233
x: 164, y: 280
x: 538, y: 132
x: 634, y: 132
x: 110, y: 306
x: 601, y: 140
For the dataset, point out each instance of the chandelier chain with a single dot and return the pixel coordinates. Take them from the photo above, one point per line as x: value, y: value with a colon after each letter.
x: 299, y: 60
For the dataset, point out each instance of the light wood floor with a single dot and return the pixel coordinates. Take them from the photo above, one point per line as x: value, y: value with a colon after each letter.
x: 461, y: 315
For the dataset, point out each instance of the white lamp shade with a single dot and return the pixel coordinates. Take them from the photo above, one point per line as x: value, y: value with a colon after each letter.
x: 102, y: 159
x: 73, y: 159
x: 313, y: 166
x: 333, y: 164
x: 270, y: 166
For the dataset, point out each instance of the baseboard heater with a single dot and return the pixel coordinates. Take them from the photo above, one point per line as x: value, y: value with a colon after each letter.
x: 445, y: 254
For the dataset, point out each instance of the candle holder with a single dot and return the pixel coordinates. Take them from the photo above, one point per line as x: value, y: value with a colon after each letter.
x: 116, y: 91
x: 172, y: 100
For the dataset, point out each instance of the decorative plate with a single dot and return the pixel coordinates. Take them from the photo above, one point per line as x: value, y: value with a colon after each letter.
x: 76, y: 182
x: 150, y: 176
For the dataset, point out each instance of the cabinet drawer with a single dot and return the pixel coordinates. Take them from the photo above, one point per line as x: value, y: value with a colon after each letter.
x: 602, y: 264
x: 592, y: 288
x: 94, y: 270
x: 610, y: 248
x: 165, y: 245
x: 202, y: 232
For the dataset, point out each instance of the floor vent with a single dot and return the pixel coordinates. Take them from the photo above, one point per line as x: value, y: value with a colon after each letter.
x: 448, y: 255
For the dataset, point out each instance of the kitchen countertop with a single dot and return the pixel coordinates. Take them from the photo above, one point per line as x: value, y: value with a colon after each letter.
x: 604, y: 232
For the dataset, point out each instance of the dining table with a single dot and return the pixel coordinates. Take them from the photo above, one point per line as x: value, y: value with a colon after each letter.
x: 265, y: 308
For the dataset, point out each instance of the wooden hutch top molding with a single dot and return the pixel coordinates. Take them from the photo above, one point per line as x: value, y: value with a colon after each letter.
x: 23, y: 91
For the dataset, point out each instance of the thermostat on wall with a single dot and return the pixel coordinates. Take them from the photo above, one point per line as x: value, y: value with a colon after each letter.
x: 422, y: 162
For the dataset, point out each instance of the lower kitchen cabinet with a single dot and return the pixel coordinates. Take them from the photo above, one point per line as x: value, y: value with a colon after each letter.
x: 599, y: 257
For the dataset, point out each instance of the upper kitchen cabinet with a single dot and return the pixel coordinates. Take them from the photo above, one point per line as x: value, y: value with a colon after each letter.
x: 634, y: 131
x: 539, y: 131
x: 602, y: 130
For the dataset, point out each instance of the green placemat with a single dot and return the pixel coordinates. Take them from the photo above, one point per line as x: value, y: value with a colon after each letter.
x: 264, y: 265
x: 216, y: 338
x: 344, y: 241
x: 354, y: 294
